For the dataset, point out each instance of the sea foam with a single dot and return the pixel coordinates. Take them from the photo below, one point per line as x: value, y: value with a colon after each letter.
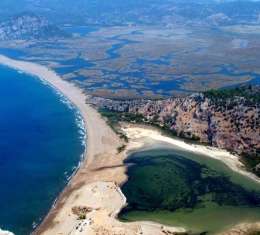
x: 3, y: 232
x: 78, y: 117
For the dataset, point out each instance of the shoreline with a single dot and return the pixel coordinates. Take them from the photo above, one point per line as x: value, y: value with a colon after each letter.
x: 77, y: 98
x: 98, y: 177
x: 96, y: 182
x: 232, y: 161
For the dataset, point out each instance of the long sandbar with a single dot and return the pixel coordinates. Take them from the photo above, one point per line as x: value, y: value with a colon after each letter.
x: 95, y: 185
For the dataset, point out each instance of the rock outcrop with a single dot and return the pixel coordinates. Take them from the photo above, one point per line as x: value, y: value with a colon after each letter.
x: 28, y: 26
x: 228, y: 121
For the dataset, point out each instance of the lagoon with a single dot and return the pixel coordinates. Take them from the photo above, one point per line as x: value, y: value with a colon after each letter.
x: 179, y: 188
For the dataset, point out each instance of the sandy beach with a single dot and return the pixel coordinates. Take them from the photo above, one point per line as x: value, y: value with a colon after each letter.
x: 92, y: 200
x: 95, y: 185
x: 138, y: 133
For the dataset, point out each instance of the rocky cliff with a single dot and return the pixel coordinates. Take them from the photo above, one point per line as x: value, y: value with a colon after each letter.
x: 228, y: 119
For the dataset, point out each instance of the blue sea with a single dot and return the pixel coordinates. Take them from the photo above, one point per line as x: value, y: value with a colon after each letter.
x: 42, y: 142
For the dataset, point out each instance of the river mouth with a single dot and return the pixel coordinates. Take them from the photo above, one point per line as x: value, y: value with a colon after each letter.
x: 178, y: 188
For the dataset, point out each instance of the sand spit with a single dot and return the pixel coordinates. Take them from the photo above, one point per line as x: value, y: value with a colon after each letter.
x: 91, y: 201
x: 98, y: 205
x: 137, y: 134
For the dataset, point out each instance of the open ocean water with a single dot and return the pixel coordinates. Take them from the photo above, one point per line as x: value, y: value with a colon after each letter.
x: 42, y: 142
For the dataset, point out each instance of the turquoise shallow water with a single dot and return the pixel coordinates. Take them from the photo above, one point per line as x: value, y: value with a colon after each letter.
x: 41, y: 144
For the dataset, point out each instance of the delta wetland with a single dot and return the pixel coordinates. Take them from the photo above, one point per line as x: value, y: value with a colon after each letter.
x: 148, y: 61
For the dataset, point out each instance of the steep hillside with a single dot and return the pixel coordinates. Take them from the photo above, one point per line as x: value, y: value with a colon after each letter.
x: 228, y: 119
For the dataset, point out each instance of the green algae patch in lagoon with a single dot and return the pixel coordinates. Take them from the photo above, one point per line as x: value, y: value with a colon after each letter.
x: 179, y: 188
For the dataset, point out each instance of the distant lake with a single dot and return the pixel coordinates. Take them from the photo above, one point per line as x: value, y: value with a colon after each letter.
x: 41, y: 144
x: 80, y: 30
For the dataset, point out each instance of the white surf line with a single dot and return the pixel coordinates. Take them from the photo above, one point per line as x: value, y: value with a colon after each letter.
x: 4, y: 232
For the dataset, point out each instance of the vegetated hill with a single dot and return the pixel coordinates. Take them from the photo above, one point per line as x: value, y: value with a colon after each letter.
x: 28, y: 26
x: 229, y: 118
